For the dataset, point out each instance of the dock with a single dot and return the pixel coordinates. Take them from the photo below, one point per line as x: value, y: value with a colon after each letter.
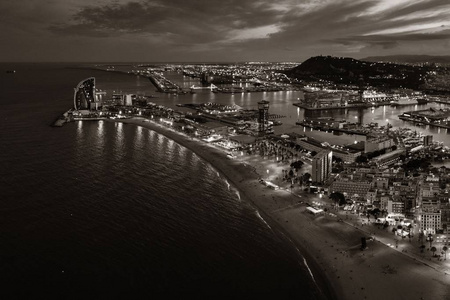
x: 330, y: 128
x: 307, y: 107
x: 432, y: 117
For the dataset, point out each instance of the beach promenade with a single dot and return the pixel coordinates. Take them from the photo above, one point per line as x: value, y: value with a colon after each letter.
x: 331, y: 248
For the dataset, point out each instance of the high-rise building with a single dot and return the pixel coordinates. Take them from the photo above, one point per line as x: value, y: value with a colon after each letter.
x: 321, y: 166
x: 128, y: 100
x: 427, y: 140
x: 361, y: 88
x: 84, y: 96
x: 263, y: 116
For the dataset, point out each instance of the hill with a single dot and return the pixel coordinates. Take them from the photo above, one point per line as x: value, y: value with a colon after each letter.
x: 412, y: 59
x: 348, y: 71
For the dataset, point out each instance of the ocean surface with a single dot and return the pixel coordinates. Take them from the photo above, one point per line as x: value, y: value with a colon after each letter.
x: 112, y: 211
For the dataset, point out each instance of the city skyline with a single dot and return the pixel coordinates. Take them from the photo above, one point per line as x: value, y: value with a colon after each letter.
x: 220, y: 31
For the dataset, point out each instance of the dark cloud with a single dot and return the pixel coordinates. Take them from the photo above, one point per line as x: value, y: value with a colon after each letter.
x: 391, y: 41
x: 226, y: 29
x: 199, y: 21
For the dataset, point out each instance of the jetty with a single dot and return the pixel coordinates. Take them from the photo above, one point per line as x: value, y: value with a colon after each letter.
x: 63, y: 119
x: 356, y: 105
x: 330, y: 124
x: 434, y: 117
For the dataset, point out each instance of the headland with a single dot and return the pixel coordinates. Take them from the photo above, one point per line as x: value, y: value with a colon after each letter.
x: 331, y: 246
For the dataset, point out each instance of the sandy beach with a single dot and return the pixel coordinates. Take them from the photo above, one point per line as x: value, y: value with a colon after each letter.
x: 331, y: 248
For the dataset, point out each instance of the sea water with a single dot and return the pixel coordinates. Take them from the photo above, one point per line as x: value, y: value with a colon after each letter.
x: 109, y: 210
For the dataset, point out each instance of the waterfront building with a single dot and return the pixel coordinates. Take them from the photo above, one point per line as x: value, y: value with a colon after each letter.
x: 351, y: 187
x: 429, y: 213
x: 116, y: 99
x: 427, y: 140
x: 378, y: 143
x: 445, y: 217
x: 214, y: 128
x: 322, y: 99
x: 321, y: 166
x: 241, y: 141
x: 395, y: 206
x: 263, y: 115
x: 127, y: 99
x: 210, y: 127
x: 388, y: 158
x: 84, y: 97
x: 347, y: 155
x: 310, y: 144
x: 430, y: 222
x: 325, y: 123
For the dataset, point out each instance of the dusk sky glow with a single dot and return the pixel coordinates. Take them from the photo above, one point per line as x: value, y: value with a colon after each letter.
x: 220, y: 31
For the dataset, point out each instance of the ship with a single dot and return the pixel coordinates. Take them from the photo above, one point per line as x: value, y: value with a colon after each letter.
x: 10, y: 71
x: 422, y: 101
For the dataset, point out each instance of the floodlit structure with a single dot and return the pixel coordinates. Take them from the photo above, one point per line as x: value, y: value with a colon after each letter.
x: 84, y: 95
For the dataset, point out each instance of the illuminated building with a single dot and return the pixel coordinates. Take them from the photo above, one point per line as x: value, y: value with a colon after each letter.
x: 321, y: 166
x: 263, y: 116
x: 84, y: 95
x: 427, y: 140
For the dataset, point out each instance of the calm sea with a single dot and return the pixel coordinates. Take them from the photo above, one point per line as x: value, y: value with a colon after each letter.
x: 107, y: 210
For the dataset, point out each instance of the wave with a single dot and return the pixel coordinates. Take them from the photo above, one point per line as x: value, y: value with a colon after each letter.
x: 262, y: 219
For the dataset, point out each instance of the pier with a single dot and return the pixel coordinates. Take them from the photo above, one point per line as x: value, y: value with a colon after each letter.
x: 63, y: 119
x: 431, y: 116
x: 307, y: 107
x: 323, y: 127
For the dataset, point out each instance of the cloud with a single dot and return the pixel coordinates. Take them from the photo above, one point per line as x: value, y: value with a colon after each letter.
x: 392, y: 41
x: 213, y: 24
x: 260, y: 29
x: 253, y: 33
x: 201, y: 21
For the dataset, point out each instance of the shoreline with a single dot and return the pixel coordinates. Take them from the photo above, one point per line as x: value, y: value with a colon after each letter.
x: 243, y: 177
x: 331, y: 248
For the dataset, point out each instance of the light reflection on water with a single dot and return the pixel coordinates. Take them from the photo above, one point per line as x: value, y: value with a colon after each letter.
x: 281, y: 104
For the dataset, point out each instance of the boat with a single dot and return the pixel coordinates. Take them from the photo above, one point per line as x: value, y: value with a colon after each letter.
x: 10, y: 71
x: 422, y: 101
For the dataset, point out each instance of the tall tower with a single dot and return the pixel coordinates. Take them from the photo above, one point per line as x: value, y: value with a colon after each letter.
x: 84, y: 96
x: 321, y: 166
x: 263, y: 116
x: 361, y: 88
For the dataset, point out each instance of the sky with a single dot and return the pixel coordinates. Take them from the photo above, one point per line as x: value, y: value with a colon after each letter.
x: 219, y: 30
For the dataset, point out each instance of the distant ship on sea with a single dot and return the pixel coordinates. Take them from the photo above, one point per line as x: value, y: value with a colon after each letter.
x: 11, y: 71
